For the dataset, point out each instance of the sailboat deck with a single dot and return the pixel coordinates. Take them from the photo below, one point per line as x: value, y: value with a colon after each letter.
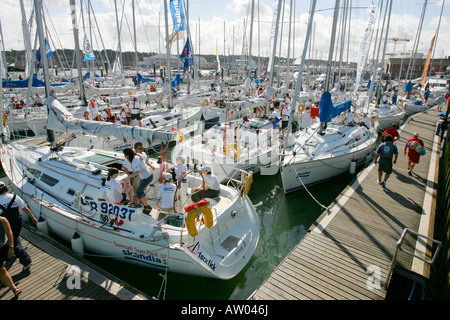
x: 355, y: 242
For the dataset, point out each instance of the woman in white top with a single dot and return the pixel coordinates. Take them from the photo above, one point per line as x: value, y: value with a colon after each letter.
x: 166, y: 193
x: 144, y: 172
x: 121, y: 192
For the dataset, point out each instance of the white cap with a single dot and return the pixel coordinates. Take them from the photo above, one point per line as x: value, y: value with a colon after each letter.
x: 167, y: 176
x: 206, y: 168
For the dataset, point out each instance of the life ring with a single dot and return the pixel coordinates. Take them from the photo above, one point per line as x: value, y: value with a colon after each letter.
x: 206, y: 102
x: 374, y: 118
x: 193, y: 214
x: 237, y: 150
x: 248, y: 183
x: 301, y: 108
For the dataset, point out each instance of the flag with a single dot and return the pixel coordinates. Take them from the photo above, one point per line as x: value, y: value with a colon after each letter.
x: 179, y: 21
x: 176, y: 35
x: 186, y: 55
x: 48, y: 51
x: 427, y: 63
x: 87, y: 50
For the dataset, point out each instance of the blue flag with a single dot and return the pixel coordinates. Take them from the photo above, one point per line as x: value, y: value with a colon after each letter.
x: 179, y: 21
x: 48, y: 51
x: 186, y: 55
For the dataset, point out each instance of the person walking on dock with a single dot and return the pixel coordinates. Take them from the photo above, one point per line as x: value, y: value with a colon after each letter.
x: 386, y: 152
x: 10, y: 205
x: 413, y: 155
x: 6, y: 253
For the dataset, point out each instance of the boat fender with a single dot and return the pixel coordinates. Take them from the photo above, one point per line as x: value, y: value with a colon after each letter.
x: 353, y: 167
x: 248, y: 183
x: 42, y: 225
x: 77, y: 244
x: 236, y: 148
x: 400, y: 103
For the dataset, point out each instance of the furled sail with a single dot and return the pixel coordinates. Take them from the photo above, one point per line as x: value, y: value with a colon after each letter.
x: 61, y: 120
x: 328, y: 111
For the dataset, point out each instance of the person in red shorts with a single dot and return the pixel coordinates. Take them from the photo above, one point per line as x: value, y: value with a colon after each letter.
x: 413, y: 155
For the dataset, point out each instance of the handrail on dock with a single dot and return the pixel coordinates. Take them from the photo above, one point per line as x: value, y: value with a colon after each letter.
x: 399, y: 248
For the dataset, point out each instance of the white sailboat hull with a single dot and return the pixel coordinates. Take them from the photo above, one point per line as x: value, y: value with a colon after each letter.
x: 316, y: 171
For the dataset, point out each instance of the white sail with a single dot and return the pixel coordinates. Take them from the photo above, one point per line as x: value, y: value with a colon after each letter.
x: 364, y: 48
x: 61, y: 120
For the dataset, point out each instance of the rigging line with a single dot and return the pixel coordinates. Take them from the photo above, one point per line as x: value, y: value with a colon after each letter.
x: 301, y: 181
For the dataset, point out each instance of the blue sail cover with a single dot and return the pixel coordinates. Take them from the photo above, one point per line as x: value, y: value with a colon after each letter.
x: 326, y: 109
x: 35, y: 83
x: 22, y: 83
x: 142, y: 79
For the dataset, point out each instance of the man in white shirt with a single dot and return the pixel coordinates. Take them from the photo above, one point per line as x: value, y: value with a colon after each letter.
x: 349, y: 119
x: 211, y: 187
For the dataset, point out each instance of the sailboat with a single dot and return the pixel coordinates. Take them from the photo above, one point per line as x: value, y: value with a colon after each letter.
x: 325, y: 149
x: 63, y: 187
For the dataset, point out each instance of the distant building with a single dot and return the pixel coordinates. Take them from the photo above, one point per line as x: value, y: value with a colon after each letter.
x: 395, y: 65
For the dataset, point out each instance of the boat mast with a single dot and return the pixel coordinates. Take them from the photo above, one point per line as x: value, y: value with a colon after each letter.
x: 169, y: 73
x: 298, y: 83
x: 77, y: 51
x: 252, y: 17
x: 274, y: 48
x: 136, y: 58
x: 43, y: 48
x: 333, y: 38
x: 384, y: 53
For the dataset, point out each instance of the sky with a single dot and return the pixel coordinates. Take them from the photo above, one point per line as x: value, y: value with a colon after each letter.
x: 219, y: 25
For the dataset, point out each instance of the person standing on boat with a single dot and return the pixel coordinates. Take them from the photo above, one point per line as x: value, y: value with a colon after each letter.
x: 10, y: 205
x: 166, y: 193
x: 210, y: 188
x: 144, y: 172
x: 413, y: 155
x: 135, y: 108
x: 118, y: 191
x: 179, y: 170
x: 394, y: 97
x: 285, y: 117
x: 6, y: 253
x: 385, y: 152
x: 274, y: 119
x: 123, y: 115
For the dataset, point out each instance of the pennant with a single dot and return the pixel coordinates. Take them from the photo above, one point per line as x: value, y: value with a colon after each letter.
x: 179, y: 21
x: 175, y: 36
x: 87, y: 50
x: 427, y: 63
x: 186, y: 55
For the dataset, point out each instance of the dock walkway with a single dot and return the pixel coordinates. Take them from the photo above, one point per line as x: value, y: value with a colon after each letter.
x: 348, y: 251
x: 58, y: 274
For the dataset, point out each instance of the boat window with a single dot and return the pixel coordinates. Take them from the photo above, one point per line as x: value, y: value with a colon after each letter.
x: 34, y: 172
x: 49, y: 180
x: 98, y: 158
x: 168, y: 118
x: 349, y: 142
x: 357, y: 138
x: 71, y: 192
